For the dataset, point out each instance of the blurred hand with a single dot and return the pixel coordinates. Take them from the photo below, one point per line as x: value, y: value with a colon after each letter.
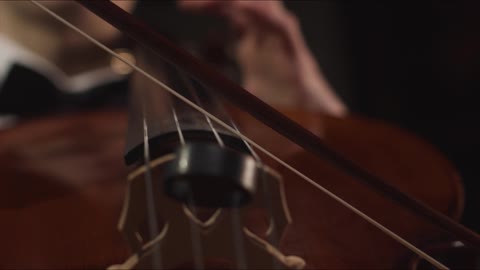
x: 275, y: 62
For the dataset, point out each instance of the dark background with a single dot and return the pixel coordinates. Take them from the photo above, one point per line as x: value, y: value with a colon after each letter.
x: 418, y: 66
x: 412, y: 63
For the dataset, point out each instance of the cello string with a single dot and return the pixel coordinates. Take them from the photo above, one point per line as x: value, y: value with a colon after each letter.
x: 239, y: 246
x: 333, y: 196
x: 249, y: 147
x: 268, y: 200
x: 152, y: 220
x: 194, y: 230
x: 177, y: 125
x: 238, y: 240
x: 193, y: 92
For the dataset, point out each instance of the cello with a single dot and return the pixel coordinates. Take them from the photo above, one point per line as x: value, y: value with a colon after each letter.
x: 91, y: 243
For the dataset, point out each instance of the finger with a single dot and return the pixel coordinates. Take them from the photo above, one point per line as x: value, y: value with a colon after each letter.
x: 266, y: 18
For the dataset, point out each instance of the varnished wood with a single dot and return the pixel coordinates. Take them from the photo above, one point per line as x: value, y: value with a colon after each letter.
x: 146, y: 36
x: 53, y: 219
x: 62, y: 185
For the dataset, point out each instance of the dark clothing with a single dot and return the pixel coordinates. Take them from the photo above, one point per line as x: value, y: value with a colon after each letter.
x: 27, y: 94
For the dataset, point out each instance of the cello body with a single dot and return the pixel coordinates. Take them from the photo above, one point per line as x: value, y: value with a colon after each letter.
x: 64, y: 182
x: 63, y: 185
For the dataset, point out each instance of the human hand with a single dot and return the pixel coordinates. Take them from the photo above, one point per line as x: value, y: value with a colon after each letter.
x: 276, y: 64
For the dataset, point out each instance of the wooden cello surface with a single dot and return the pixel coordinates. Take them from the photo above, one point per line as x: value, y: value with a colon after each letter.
x: 63, y: 182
